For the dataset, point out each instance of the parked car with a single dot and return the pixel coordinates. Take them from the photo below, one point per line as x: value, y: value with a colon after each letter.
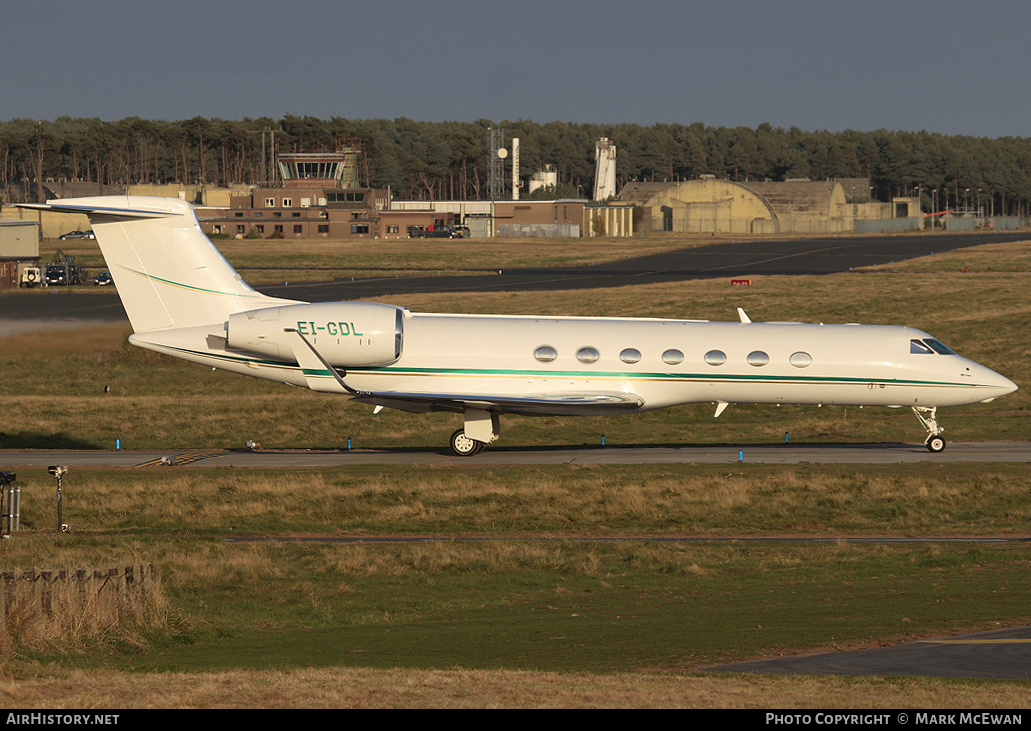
x: 433, y: 232
x: 32, y: 277
x: 103, y: 279
x: 77, y: 235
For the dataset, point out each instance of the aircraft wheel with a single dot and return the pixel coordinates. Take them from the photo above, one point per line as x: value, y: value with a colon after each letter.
x: 935, y: 444
x: 463, y: 446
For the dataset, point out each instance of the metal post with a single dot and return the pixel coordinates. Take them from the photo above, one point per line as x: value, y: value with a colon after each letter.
x: 13, y: 498
x: 58, y: 471
x: 14, y: 509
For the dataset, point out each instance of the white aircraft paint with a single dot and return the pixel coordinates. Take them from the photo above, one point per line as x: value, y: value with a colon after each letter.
x: 184, y: 299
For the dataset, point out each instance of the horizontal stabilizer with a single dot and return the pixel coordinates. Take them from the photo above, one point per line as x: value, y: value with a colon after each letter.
x: 167, y: 272
x: 107, y: 210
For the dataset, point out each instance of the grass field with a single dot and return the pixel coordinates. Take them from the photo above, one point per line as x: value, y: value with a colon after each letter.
x: 264, y: 261
x: 514, y: 600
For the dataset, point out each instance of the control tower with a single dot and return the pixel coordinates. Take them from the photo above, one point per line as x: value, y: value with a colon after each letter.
x: 327, y: 169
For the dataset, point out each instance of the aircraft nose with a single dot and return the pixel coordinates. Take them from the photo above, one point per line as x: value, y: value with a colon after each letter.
x: 997, y: 383
x: 1007, y: 384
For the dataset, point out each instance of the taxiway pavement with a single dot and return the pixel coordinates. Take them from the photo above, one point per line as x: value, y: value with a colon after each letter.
x: 999, y: 654
x: 982, y: 452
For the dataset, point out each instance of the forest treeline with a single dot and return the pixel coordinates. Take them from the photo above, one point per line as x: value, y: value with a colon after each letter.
x: 449, y: 160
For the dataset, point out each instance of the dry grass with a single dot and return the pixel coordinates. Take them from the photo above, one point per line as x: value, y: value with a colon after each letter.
x: 265, y: 261
x: 91, y: 339
x: 557, y: 500
x: 365, y: 688
x: 81, y: 613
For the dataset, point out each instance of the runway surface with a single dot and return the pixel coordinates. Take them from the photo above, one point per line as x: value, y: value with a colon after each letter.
x: 714, y: 454
x: 72, y: 306
x: 999, y: 654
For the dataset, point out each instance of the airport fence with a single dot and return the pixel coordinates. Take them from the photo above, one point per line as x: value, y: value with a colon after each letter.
x: 45, y: 606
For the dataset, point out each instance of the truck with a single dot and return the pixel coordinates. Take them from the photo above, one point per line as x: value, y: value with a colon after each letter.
x: 63, y: 270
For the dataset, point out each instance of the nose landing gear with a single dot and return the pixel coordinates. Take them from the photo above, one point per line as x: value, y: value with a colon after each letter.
x: 927, y: 415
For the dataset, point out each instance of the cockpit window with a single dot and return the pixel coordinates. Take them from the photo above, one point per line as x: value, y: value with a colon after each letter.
x: 929, y: 346
x: 938, y: 347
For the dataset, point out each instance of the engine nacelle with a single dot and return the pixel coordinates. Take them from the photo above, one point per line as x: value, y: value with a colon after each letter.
x: 346, y: 334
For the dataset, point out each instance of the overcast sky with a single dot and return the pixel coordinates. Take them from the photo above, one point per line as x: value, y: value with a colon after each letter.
x: 943, y: 66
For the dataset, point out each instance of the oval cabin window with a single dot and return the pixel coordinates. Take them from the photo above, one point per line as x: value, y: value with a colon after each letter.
x: 545, y: 354
x: 800, y: 360
x: 587, y: 355
x: 630, y: 355
x: 672, y: 357
x: 758, y: 358
x: 715, y: 357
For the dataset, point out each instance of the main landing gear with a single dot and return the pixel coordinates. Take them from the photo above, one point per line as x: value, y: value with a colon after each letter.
x: 927, y: 416
x: 481, y: 428
x: 465, y: 446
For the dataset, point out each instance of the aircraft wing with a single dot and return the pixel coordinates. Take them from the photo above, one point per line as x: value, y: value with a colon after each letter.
x: 322, y: 376
x: 587, y: 403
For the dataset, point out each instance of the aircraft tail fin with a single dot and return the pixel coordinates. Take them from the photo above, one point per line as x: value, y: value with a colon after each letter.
x: 166, y: 270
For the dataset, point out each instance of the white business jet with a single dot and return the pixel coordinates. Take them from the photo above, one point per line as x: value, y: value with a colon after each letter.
x: 184, y: 299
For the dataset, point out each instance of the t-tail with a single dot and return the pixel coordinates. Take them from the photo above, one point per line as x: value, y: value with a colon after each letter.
x: 167, y: 271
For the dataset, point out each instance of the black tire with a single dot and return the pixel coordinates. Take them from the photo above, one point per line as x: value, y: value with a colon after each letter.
x: 463, y: 446
x: 935, y: 444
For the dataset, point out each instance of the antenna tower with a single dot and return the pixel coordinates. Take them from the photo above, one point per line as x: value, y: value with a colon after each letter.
x: 496, y: 164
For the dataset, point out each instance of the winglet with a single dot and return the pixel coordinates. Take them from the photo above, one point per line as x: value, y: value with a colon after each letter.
x: 742, y: 315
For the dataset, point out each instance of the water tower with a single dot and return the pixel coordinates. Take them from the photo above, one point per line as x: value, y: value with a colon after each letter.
x: 604, y: 169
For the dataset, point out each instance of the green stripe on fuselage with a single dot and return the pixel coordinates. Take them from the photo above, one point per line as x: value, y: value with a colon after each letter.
x: 606, y: 375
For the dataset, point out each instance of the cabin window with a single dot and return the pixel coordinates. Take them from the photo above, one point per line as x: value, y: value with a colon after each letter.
x: 938, y: 347
x: 545, y: 354
x: 758, y: 358
x: 800, y: 359
x: 630, y: 355
x: 587, y: 355
x: 672, y: 357
x: 715, y: 357
x: 918, y: 348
